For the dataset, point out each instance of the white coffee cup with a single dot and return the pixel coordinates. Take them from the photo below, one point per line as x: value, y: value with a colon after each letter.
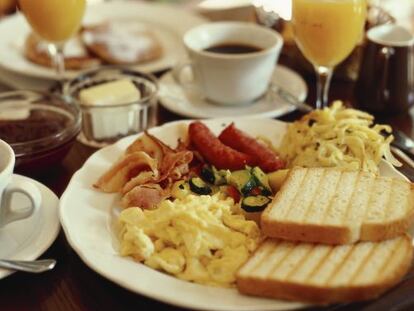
x: 8, y: 187
x: 231, y: 79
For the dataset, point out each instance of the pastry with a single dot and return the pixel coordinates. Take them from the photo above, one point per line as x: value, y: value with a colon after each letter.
x: 122, y: 42
x: 76, y: 56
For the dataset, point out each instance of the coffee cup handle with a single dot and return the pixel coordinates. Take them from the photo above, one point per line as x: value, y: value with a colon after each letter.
x: 177, y: 74
x: 27, y: 188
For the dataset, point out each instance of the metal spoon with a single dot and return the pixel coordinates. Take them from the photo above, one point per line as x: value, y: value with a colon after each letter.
x: 276, y: 90
x: 32, y: 266
x: 403, y: 141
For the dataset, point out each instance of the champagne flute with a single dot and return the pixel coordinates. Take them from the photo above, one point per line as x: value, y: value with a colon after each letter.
x: 326, y: 32
x: 6, y: 6
x: 55, y: 21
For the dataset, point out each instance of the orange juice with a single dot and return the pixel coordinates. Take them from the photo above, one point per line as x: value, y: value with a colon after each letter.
x: 6, y: 6
x: 327, y: 31
x: 54, y: 20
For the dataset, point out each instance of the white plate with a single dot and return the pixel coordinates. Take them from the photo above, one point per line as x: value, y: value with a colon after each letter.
x: 189, y: 103
x: 87, y: 218
x: 29, y: 238
x: 167, y: 22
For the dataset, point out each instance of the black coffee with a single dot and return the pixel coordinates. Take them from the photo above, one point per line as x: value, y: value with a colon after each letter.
x: 233, y: 48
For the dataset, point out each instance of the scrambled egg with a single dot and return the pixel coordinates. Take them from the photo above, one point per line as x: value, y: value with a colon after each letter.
x: 202, y: 239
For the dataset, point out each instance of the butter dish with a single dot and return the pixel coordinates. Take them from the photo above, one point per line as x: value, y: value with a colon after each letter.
x: 115, y: 102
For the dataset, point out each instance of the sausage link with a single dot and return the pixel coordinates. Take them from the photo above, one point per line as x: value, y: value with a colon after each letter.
x: 214, y: 151
x: 262, y: 155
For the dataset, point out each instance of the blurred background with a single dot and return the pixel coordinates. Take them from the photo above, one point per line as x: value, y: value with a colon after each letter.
x: 276, y: 14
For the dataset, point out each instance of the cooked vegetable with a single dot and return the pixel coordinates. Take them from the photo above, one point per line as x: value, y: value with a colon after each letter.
x: 255, y: 191
x: 213, y: 176
x: 233, y: 193
x: 261, y: 180
x: 207, y: 174
x: 180, y: 189
x: 243, y: 181
x: 253, y: 204
x: 198, y: 186
x: 220, y: 176
x: 276, y: 179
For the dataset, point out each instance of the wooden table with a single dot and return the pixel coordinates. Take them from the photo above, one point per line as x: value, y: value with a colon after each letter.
x: 74, y: 286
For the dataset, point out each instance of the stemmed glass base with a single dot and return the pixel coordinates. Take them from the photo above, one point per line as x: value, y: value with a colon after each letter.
x: 56, y: 52
x: 324, y: 77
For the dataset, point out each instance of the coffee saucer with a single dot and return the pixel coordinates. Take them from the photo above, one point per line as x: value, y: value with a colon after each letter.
x: 190, y: 103
x: 27, y: 239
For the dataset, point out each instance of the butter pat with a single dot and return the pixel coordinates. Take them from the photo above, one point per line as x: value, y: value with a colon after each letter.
x: 110, y: 93
x: 15, y: 110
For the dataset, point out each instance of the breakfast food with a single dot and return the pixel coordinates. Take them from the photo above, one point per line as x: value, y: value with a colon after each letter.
x: 114, y: 42
x: 110, y: 93
x: 76, y: 57
x: 214, y: 151
x: 262, y: 155
x: 335, y: 206
x: 233, y: 149
x: 203, y: 239
x: 186, y: 217
x: 323, y: 273
x: 145, y: 173
x: 121, y: 42
x: 337, y: 137
x: 189, y: 208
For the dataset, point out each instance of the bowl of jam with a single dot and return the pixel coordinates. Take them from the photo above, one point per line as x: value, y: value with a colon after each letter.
x: 40, y: 127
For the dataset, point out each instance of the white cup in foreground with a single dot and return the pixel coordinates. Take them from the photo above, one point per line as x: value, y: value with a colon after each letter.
x: 8, y: 213
x: 232, y: 62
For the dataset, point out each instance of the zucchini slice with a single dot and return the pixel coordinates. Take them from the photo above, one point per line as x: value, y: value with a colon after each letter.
x: 198, y: 186
x: 261, y: 180
x: 253, y: 204
x: 243, y: 181
x: 213, y: 176
x: 220, y: 176
x: 207, y: 174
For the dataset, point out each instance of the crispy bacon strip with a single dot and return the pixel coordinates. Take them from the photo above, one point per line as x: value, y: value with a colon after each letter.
x: 129, y: 166
x: 175, y: 164
x: 142, y: 178
x: 144, y: 196
x: 146, y: 171
x: 172, y: 164
x: 151, y: 145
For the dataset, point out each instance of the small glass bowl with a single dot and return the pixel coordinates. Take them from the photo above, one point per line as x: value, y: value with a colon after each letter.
x: 103, y: 125
x: 40, y: 127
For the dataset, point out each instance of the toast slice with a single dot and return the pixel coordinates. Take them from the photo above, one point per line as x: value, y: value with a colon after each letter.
x: 334, y: 206
x: 321, y: 273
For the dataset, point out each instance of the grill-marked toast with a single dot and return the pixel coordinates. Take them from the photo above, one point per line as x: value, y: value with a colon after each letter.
x: 323, y: 273
x: 334, y: 206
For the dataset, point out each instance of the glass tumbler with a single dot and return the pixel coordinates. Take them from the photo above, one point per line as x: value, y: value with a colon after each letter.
x: 105, y: 124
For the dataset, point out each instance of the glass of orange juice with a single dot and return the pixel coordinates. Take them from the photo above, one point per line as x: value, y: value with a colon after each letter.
x: 6, y: 6
x: 55, y: 21
x: 326, y: 32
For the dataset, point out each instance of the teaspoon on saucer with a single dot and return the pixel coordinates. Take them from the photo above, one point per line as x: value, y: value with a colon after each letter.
x: 32, y: 266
